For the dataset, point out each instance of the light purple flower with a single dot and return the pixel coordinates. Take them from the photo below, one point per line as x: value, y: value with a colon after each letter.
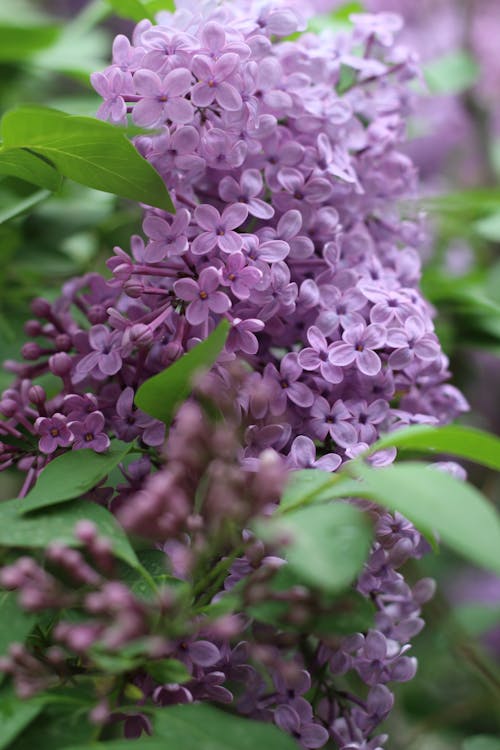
x: 334, y: 420
x: 358, y: 346
x: 368, y: 417
x: 112, y: 86
x: 239, y: 276
x: 203, y: 296
x: 297, y: 719
x: 166, y: 238
x: 54, y: 431
x: 315, y: 357
x: 241, y: 336
x: 219, y: 229
x: 288, y: 384
x: 162, y: 98
x: 410, y: 342
x: 314, y: 190
x: 213, y: 82
x: 106, y: 354
x: 245, y: 191
x: 303, y: 456
x: 89, y: 433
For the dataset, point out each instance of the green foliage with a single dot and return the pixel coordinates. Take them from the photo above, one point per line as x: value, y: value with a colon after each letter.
x: 15, y: 715
x: 19, y: 42
x: 57, y: 524
x: 482, y: 742
x: 62, y: 722
x: 29, y: 167
x: 477, y: 619
x: 91, y: 152
x: 168, y: 671
x: 161, y: 395
x: 452, y: 73
x: 457, y: 440
x: 489, y: 227
x: 72, y: 475
x: 325, y: 545
x: 15, y: 623
x: 136, y: 10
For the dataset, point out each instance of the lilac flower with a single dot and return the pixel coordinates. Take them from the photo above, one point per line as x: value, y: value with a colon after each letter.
x: 358, y: 346
x: 89, y: 433
x: 198, y: 652
x: 106, y: 354
x: 288, y: 384
x: 219, y: 230
x: 203, y: 296
x: 368, y: 417
x: 315, y: 357
x: 213, y: 82
x: 176, y: 152
x: 246, y: 191
x: 166, y: 238
x: 130, y: 422
x: 340, y: 307
x: 240, y: 277
x: 162, y: 98
x: 241, y: 336
x: 289, y: 226
x: 315, y: 190
x: 303, y: 456
x: 297, y: 719
x: 54, y: 431
x: 333, y: 420
x: 112, y: 88
x: 410, y: 342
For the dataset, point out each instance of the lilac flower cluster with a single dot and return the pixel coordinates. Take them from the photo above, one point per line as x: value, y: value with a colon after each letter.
x: 281, y: 153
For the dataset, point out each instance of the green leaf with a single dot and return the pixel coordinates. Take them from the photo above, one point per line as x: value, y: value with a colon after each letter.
x: 19, y: 42
x: 489, y: 227
x: 73, y: 474
x: 29, y: 167
x: 325, y: 545
x: 352, y: 613
x: 15, y: 715
x: 136, y: 10
x: 161, y: 395
x: 462, y: 517
x: 482, y: 742
x: 91, y: 152
x: 39, y: 530
x: 465, y: 442
x: 168, y: 671
x: 15, y: 624
x: 57, y: 726
x: 21, y: 205
x: 308, y: 485
x: 452, y: 73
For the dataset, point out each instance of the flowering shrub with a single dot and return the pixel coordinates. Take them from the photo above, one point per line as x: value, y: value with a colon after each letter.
x: 224, y: 577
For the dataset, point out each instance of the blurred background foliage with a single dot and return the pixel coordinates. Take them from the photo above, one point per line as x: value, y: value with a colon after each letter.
x: 47, y: 51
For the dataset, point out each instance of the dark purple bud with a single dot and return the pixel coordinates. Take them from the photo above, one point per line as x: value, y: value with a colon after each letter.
x: 31, y: 351
x: 8, y: 407
x: 97, y: 314
x: 41, y: 307
x: 37, y: 395
x: 63, y: 342
x: 33, y: 328
x: 60, y: 364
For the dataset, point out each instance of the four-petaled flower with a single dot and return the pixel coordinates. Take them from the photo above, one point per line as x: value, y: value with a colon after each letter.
x: 89, y: 433
x: 219, y: 230
x: 358, y: 346
x: 213, y: 82
x: 162, y: 97
x: 166, y: 239
x: 203, y: 296
x: 54, y: 431
x: 240, y: 277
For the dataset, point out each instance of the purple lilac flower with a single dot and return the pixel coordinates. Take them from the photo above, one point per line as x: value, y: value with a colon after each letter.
x: 203, y: 296
x: 162, y: 97
x: 359, y: 343
x: 219, y: 230
x: 166, y: 238
x: 54, y: 431
x: 89, y: 433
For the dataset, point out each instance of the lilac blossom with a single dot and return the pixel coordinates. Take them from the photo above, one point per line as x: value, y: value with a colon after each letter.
x: 219, y: 230
x: 358, y: 346
x: 162, y: 97
x: 54, y: 433
x: 203, y: 296
x: 89, y: 433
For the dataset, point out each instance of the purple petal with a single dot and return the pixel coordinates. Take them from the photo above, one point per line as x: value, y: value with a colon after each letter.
x: 342, y: 354
x: 186, y: 289
x: 228, y: 97
x: 204, y: 653
x: 368, y: 362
